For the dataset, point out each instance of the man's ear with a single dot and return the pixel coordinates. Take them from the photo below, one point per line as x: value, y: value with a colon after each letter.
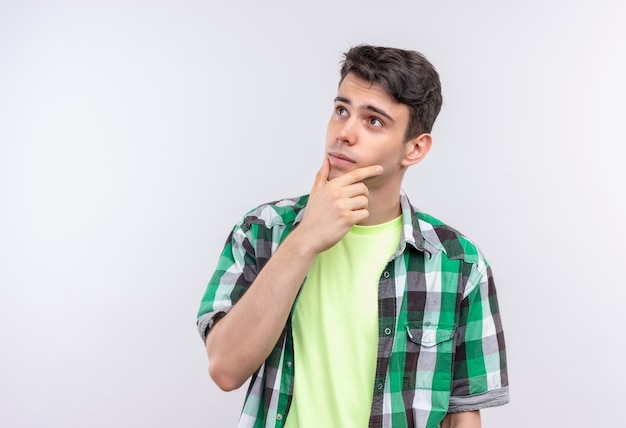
x: 416, y: 149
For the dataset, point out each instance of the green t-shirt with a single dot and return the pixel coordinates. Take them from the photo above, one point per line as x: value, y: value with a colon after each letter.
x: 335, y: 330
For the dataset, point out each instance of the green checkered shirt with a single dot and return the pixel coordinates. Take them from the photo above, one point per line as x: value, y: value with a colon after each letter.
x: 440, y: 347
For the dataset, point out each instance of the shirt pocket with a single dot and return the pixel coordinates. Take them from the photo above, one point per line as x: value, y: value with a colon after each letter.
x: 429, y: 355
x: 428, y: 334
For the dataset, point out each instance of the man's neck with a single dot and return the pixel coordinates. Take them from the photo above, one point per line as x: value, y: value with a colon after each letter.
x: 384, y: 206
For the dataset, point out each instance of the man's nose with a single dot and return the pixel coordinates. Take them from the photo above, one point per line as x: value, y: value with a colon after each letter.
x: 346, y: 133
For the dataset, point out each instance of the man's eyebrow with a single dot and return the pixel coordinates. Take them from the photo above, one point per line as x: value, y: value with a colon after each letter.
x: 367, y: 107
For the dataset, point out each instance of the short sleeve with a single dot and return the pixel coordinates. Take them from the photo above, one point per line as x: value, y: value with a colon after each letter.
x: 480, y: 377
x: 236, y: 270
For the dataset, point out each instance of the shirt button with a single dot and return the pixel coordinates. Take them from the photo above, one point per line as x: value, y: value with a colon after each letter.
x: 386, y: 274
x: 288, y: 363
x: 279, y: 417
x: 387, y: 331
x: 380, y: 386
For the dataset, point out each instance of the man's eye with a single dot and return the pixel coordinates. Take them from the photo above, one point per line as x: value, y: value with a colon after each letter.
x: 374, y: 121
x: 341, y: 111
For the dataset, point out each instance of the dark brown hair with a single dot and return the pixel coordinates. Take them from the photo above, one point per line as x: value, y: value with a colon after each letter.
x: 406, y: 76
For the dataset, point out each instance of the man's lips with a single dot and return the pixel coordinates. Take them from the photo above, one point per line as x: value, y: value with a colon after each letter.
x: 340, y: 157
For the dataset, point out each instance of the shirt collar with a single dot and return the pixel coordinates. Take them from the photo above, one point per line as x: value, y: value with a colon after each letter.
x: 412, y: 233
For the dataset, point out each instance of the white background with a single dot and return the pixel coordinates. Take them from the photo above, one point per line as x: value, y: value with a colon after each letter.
x: 134, y: 134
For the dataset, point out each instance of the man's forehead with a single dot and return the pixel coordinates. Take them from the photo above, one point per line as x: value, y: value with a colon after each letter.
x: 363, y: 94
x: 352, y: 84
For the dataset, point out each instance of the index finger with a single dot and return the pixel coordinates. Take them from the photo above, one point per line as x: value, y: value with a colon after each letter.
x: 359, y: 175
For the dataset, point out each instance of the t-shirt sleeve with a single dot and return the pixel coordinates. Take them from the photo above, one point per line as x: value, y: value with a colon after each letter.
x: 480, y: 377
x: 236, y: 270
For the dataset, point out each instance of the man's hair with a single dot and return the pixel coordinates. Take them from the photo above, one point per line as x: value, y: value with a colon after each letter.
x: 407, y: 76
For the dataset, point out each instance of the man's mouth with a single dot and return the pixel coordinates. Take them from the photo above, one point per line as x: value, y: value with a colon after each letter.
x: 340, y: 157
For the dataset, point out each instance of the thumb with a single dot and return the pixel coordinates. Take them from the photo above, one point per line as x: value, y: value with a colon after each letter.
x: 322, y: 176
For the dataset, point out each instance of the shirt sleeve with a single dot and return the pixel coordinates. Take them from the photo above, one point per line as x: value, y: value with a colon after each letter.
x: 480, y: 377
x: 236, y: 270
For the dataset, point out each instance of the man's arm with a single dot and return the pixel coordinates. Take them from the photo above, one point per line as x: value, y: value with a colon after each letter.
x: 238, y: 344
x: 462, y: 420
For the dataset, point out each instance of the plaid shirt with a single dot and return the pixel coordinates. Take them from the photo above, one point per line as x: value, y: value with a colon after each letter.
x: 440, y: 347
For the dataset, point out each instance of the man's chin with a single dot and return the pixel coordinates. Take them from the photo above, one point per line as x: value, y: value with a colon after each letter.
x: 335, y: 172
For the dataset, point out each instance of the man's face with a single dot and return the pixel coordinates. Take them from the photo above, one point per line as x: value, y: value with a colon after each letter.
x: 367, y: 127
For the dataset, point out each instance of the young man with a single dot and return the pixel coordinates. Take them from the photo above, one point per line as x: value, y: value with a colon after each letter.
x: 347, y: 306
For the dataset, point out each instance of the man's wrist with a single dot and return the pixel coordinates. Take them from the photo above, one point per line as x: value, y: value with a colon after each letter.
x: 300, y: 246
